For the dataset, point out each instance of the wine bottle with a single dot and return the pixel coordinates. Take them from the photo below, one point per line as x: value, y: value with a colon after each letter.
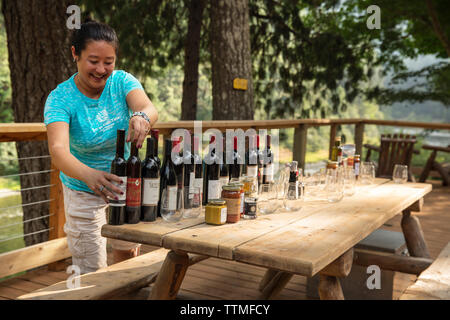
x: 178, y: 165
x: 293, y: 190
x: 168, y: 179
x: 198, y: 166
x: 236, y: 167
x: 133, y: 202
x: 224, y: 176
x: 260, y: 161
x: 155, y: 134
x: 212, y: 184
x: 189, y: 171
x: 119, y: 168
x: 293, y: 173
x: 268, y: 163
x: 252, y: 158
x: 150, y: 183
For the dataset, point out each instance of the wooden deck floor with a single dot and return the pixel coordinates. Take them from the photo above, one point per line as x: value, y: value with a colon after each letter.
x: 226, y: 280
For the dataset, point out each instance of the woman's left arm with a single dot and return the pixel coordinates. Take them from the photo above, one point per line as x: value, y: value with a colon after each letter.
x: 138, y: 128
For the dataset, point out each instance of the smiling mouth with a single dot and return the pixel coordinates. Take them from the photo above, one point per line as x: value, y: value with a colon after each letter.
x: 97, y: 78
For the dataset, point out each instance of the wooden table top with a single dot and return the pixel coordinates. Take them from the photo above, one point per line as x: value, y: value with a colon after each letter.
x: 302, y: 242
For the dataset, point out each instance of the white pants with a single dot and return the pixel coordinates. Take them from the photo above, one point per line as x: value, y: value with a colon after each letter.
x: 85, y: 215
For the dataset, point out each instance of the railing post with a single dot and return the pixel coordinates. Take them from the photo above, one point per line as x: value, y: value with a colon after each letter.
x: 299, y: 153
x: 56, y: 211
x: 333, y: 128
x: 359, y: 137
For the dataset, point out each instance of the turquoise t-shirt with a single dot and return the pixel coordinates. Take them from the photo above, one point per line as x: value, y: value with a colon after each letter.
x: 93, y: 123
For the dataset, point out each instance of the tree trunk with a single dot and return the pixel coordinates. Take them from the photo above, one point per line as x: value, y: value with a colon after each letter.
x: 39, y: 59
x: 231, y: 59
x: 191, y: 60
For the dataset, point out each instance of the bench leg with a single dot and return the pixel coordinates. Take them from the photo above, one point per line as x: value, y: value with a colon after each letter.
x: 170, y: 277
x: 275, y: 285
x: 414, y: 237
x: 428, y: 167
x: 268, y: 276
x: 330, y: 288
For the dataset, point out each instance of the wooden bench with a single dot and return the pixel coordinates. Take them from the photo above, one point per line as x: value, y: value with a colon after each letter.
x: 434, y: 282
x: 117, y: 279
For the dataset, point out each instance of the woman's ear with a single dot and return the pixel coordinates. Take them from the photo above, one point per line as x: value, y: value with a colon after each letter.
x: 74, y: 55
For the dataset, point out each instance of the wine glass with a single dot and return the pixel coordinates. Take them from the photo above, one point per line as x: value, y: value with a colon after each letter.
x: 293, y: 199
x: 267, y: 199
x: 400, y: 174
x: 335, y: 184
x: 367, y: 173
x: 349, y: 181
x: 195, y: 203
x: 172, y: 204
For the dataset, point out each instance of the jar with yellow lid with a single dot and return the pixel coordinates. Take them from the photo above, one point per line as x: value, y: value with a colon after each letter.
x: 216, y: 212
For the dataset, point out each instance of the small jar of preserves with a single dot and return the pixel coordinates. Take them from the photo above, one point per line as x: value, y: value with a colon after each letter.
x: 232, y: 195
x: 216, y: 212
x: 242, y: 193
x: 250, y: 187
x: 250, y: 208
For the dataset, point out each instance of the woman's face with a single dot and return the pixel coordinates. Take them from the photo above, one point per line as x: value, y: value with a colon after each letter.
x: 95, y: 63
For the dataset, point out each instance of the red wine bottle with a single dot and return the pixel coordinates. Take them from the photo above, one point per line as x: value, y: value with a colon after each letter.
x: 189, y: 171
x: 268, y: 163
x: 252, y: 158
x: 236, y: 167
x: 212, y: 183
x: 134, y: 180
x: 168, y: 177
x: 119, y: 168
x: 260, y: 161
x: 150, y: 183
x: 198, y: 166
x: 155, y: 134
x: 224, y: 175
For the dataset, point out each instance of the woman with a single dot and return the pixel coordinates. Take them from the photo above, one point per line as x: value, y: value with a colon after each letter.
x: 82, y: 116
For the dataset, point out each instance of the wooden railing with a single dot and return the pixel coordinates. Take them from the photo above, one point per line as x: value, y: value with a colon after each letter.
x: 12, y: 132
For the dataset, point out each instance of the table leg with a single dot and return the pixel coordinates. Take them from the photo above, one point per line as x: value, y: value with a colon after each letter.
x: 268, y: 276
x: 330, y: 288
x: 170, y: 276
x: 414, y: 237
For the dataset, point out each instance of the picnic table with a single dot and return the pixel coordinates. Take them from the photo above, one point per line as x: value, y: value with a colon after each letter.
x: 319, y: 238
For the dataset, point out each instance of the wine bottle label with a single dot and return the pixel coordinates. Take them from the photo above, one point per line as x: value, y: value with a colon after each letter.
x: 191, y: 185
x: 293, y: 191
x: 223, y: 215
x: 122, y: 197
x: 214, y: 188
x: 133, y: 192
x: 172, y: 197
x: 198, y: 183
x: 268, y: 172
x: 252, y: 171
x: 150, y: 193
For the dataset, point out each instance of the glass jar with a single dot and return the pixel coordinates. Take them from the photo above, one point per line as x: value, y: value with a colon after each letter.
x: 232, y: 195
x: 242, y: 194
x: 332, y: 164
x: 250, y: 185
x: 216, y: 212
x: 250, y: 208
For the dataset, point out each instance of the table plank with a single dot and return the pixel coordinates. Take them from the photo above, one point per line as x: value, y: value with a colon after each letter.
x: 308, y: 245
x: 220, y: 241
x: 149, y: 232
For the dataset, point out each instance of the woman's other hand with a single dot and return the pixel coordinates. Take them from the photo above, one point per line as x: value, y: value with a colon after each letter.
x: 101, y: 183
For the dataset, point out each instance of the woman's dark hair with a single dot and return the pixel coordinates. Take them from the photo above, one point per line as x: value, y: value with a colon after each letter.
x: 93, y: 31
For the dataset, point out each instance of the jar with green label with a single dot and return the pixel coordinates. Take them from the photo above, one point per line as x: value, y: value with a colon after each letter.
x: 216, y: 212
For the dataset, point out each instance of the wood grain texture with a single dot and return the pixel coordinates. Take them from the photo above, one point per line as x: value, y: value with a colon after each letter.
x: 433, y: 283
x: 121, y: 277
x: 330, y: 288
x: 33, y: 256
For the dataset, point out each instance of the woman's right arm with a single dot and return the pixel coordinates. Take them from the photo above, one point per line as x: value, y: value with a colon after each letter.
x: 58, y: 144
